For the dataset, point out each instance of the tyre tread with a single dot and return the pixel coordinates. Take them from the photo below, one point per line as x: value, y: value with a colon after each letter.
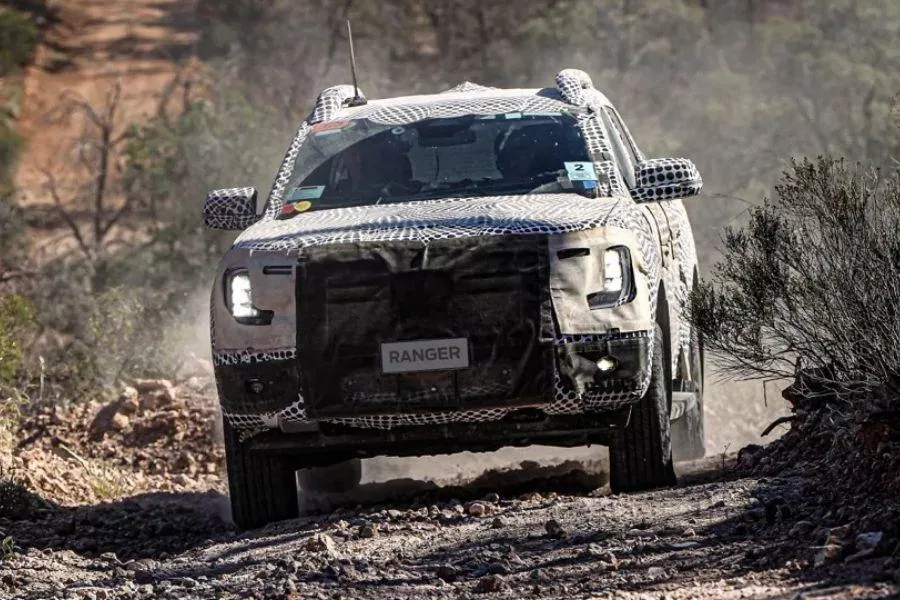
x: 641, y: 453
x: 262, y: 486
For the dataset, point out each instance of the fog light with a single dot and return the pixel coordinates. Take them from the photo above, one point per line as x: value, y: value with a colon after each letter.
x: 606, y: 364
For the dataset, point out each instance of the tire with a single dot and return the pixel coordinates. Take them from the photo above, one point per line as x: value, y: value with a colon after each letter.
x: 340, y: 477
x: 688, y: 431
x: 262, y: 487
x: 641, y: 453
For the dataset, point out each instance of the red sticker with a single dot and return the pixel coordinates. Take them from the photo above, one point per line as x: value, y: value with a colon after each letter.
x: 328, y: 126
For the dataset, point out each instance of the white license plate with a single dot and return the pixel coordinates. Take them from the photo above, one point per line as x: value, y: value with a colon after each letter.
x: 424, y: 355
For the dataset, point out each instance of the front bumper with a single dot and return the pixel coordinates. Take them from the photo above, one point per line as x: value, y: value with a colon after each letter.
x: 267, y: 395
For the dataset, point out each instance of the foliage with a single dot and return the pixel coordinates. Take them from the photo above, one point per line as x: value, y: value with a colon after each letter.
x: 16, y: 502
x: 7, y: 548
x: 16, y: 316
x: 12, y: 238
x: 18, y: 39
x: 126, y: 333
x: 11, y: 144
x: 811, y: 279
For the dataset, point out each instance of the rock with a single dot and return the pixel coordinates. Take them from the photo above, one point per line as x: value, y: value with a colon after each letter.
x: 777, y: 509
x: 101, y: 594
x: 828, y: 554
x: 749, y: 455
x: 477, y: 509
x: 656, y: 572
x: 684, y: 544
x: 322, y: 542
x: 368, y: 530
x: 128, y: 393
x: 492, y: 498
x: 555, y: 530
x: 640, y: 533
x: 837, y: 535
x: 609, y: 558
x: 158, y: 399
x: 497, y: 523
x: 129, y: 406
x: 188, y: 583
x: 144, y: 386
x: 119, y: 422
x: 869, y: 540
x: 489, y: 584
x: 802, y: 529
x: 186, y: 462
x: 447, y: 573
x: 867, y: 544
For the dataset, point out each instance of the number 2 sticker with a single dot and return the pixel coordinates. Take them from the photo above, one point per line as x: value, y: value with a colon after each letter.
x: 581, y: 171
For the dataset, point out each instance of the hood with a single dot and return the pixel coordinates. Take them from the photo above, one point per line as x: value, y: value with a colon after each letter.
x: 444, y: 218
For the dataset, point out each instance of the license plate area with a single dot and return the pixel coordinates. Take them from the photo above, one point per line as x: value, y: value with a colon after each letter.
x: 419, y: 356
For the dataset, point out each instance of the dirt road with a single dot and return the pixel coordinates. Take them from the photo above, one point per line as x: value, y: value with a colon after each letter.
x: 525, y: 533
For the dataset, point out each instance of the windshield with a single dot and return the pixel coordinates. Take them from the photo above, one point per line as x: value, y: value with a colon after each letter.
x: 360, y: 162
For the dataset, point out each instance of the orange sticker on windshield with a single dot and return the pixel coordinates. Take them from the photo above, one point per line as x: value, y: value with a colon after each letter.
x: 290, y: 208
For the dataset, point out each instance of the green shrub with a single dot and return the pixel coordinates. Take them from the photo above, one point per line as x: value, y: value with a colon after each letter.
x: 18, y: 39
x: 16, y: 502
x: 813, y: 279
x: 12, y: 237
x: 11, y: 144
x: 16, y: 318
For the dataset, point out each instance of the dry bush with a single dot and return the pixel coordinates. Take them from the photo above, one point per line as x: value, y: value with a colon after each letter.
x: 813, y: 280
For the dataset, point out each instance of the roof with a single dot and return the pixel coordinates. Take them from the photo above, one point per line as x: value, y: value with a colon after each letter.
x: 574, y: 88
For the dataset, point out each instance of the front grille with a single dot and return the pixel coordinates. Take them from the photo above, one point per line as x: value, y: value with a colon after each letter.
x: 354, y: 297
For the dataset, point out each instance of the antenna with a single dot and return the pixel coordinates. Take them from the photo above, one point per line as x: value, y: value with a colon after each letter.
x: 357, y: 100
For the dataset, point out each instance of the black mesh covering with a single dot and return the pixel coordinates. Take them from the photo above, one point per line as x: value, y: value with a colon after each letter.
x: 490, y: 290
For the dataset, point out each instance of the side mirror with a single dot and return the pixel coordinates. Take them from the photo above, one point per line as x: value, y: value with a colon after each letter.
x: 232, y: 209
x: 666, y: 179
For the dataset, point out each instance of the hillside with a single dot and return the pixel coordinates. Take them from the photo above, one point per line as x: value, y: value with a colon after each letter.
x: 141, y: 44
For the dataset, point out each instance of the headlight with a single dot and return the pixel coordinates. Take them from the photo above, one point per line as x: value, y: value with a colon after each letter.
x: 612, y: 271
x: 618, y: 283
x: 239, y: 295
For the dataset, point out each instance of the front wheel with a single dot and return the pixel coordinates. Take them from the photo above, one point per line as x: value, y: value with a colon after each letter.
x: 262, y: 486
x: 641, y: 453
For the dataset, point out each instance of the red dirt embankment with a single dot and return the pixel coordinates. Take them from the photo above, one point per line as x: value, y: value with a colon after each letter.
x: 142, y: 44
